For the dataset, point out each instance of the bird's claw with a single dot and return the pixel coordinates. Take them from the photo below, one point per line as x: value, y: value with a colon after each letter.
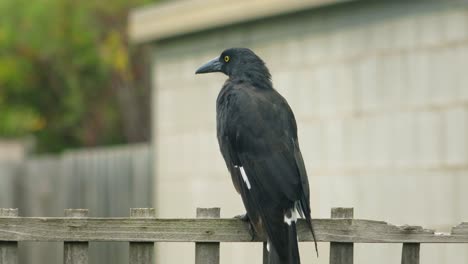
x: 245, y: 218
x: 251, y: 232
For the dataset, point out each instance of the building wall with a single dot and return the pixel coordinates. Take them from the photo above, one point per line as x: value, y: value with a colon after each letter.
x: 381, y: 99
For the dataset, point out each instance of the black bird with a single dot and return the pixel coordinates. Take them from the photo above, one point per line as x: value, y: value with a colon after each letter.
x: 257, y: 135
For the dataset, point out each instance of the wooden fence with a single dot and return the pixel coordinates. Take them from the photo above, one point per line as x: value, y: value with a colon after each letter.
x: 106, y: 180
x: 142, y: 229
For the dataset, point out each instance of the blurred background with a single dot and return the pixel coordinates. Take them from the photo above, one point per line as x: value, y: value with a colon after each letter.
x: 100, y: 109
x: 74, y: 115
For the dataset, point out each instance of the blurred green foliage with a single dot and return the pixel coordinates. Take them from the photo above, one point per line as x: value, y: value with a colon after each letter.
x: 63, y: 67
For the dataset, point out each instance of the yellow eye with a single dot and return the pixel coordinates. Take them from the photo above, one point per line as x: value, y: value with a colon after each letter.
x: 226, y: 58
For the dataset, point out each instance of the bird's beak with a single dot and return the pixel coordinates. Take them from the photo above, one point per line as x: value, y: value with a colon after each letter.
x: 213, y: 65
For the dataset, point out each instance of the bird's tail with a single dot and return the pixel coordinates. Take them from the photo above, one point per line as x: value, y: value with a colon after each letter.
x: 303, y: 207
x: 309, y: 222
x: 288, y: 254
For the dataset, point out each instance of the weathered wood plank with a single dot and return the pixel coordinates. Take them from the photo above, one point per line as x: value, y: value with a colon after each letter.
x: 410, y: 253
x: 141, y: 252
x: 207, y: 230
x: 460, y: 229
x: 40, y: 193
x: 342, y: 253
x: 75, y: 252
x: 9, y: 173
x: 8, y: 249
x: 48, y: 183
x: 207, y: 252
x: 117, y: 189
x: 142, y: 187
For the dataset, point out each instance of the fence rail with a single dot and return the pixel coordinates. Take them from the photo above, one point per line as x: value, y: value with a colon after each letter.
x: 142, y: 229
x: 106, y: 180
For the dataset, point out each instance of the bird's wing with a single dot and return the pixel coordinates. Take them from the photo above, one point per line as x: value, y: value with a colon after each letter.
x: 304, y: 203
x: 231, y: 159
x: 260, y: 129
x: 261, y: 143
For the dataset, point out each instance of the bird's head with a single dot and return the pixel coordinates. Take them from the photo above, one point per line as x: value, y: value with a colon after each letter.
x: 237, y: 63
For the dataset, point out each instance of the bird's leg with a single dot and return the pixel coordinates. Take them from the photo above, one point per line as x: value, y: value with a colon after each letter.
x: 251, y: 231
x: 245, y: 218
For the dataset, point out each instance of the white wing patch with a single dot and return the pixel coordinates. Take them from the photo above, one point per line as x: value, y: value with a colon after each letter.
x: 244, y: 176
x: 293, y: 216
x: 268, y: 245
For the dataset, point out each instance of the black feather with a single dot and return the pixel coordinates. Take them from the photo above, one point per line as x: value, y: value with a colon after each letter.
x: 257, y: 134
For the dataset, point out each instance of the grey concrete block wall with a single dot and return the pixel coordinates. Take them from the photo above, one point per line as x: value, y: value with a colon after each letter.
x: 380, y: 93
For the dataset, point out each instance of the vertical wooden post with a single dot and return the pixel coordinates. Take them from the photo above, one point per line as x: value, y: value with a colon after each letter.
x: 8, y: 249
x: 207, y: 252
x: 75, y: 252
x: 141, y: 252
x: 410, y: 253
x: 341, y: 253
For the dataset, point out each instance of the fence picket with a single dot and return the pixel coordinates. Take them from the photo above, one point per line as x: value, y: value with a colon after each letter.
x: 8, y: 249
x: 410, y: 253
x: 142, y: 229
x: 341, y: 253
x: 207, y: 252
x: 75, y: 252
x: 141, y: 252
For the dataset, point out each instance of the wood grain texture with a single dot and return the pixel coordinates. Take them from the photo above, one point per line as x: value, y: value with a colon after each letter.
x: 410, y: 253
x: 75, y: 252
x: 342, y: 212
x: 209, y: 230
x: 342, y: 253
x: 141, y: 252
x: 8, y: 249
x: 8, y: 212
x: 9, y: 171
x: 207, y: 252
x: 460, y: 229
x: 108, y: 181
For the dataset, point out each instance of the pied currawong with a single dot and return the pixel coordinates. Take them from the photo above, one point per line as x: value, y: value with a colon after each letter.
x: 257, y: 135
